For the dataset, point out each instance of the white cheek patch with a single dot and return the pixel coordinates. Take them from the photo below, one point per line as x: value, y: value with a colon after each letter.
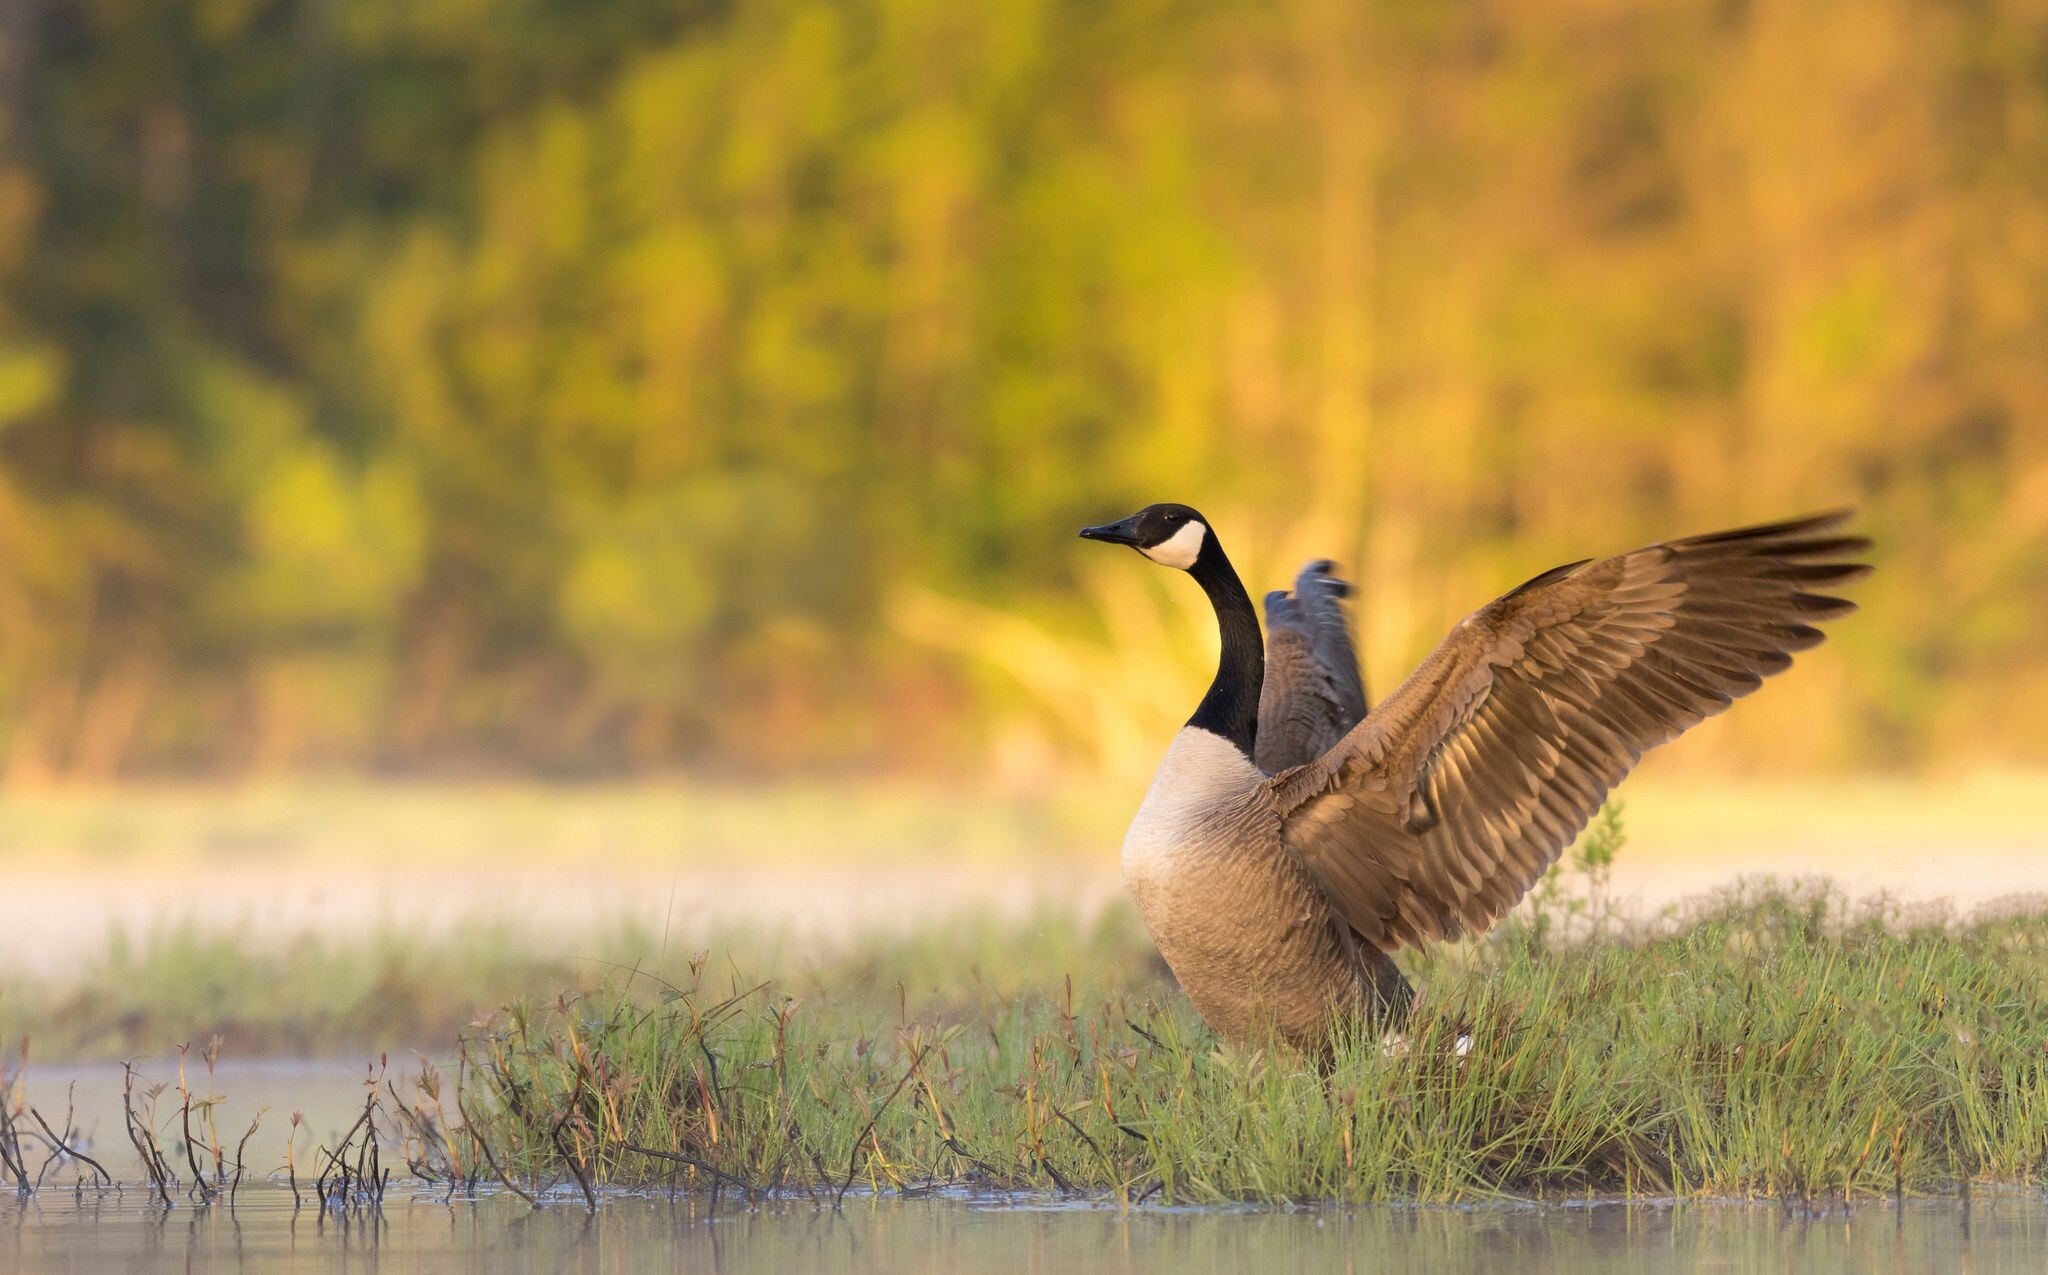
x: 1179, y: 549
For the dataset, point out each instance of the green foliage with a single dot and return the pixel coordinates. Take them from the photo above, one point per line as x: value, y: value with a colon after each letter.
x: 312, y: 997
x: 1580, y: 906
x: 1765, y: 1042
x: 588, y: 386
x: 1594, y: 855
x: 1770, y: 1044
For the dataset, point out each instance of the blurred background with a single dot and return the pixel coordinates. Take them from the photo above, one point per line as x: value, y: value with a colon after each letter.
x: 584, y: 435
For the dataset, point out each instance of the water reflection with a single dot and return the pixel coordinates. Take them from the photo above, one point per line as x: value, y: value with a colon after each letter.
x: 62, y: 1230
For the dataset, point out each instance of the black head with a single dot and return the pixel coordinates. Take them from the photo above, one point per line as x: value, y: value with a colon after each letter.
x: 1170, y: 535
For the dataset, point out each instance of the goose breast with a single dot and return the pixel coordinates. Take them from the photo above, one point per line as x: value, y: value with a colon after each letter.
x: 1244, y: 927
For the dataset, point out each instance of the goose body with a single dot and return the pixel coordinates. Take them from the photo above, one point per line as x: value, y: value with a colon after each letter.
x: 1246, y: 929
x: 1292, y: 840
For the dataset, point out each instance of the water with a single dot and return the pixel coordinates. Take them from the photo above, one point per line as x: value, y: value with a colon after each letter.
x: 328, y: 1094
x: 62, y: 1231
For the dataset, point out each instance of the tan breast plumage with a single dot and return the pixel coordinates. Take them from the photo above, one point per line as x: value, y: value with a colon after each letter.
x: 1244, y: 927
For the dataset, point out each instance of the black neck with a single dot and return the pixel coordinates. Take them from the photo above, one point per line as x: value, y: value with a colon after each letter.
x: 1231, y: 708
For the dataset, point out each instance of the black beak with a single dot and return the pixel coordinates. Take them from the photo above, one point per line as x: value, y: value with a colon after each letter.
x: 1116, y: 533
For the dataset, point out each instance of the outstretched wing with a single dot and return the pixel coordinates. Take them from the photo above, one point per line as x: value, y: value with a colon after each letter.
x: 1313, y: 694
x: 1436, y: 814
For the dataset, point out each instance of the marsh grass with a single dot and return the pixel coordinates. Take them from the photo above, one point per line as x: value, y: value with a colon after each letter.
x: 1773, y: 1041
x: 1768, y: 1043
x: 313, y: 996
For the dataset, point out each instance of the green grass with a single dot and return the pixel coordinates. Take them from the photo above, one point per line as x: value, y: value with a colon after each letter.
x: 337, y: 996
x: 1767, y: 1044
x: 311, y: 997
x: 1776, y: 1042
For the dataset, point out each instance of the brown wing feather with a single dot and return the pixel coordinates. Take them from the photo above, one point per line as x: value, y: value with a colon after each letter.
x: 1439, y: 811
x: 1313, y: 692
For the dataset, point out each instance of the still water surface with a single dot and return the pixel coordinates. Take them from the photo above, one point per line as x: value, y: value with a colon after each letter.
x: 60, y: 1231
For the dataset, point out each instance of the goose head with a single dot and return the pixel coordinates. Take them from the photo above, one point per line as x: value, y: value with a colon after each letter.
x: 1170, y: 535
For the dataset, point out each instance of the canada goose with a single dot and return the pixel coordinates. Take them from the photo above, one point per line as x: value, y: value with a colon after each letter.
x: 1277, y: 877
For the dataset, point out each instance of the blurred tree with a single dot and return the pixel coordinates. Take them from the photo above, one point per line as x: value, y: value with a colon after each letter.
x: 568, y: 386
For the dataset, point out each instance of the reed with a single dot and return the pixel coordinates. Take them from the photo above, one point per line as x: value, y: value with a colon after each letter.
x: 1765, y: 1043
x: 1772, y: 1041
